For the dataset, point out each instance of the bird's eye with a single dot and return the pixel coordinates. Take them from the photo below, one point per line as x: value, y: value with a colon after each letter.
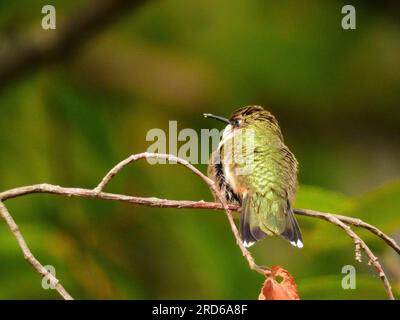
x: 237, y: 122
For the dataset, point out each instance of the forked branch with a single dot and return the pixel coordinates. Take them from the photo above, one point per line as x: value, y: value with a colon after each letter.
x: 98, y: 193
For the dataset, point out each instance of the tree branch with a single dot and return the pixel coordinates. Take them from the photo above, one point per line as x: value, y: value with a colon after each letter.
x: 354, y: 222
x: 55, y: 283
x: 359, y: 244
x: 34, y: 51
x: 97, y: 193
x: 208, y: 181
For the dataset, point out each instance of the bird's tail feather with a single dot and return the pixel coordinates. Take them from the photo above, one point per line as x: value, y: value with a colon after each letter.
x: 251, y: 231
x: 292, y: 231
x: 249, y: 226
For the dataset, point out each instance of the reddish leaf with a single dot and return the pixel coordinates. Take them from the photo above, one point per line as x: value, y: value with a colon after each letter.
x: 274, y: 290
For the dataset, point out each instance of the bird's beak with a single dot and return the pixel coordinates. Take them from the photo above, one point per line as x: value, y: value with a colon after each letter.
x: 209, y: 115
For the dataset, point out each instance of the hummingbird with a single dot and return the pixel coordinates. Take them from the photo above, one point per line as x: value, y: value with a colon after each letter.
x: 266, y: 190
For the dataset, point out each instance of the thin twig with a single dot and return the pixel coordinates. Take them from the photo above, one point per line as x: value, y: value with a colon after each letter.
x: 359, y: 244
x: 147, y: 155
x: 167, y: 203
x: 29, y: 52
x: 352, y: 221
x: 98, y: 193
x: 54, y: 282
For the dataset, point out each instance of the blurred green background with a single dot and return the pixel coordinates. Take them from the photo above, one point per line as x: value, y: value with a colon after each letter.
x: 336, y: 94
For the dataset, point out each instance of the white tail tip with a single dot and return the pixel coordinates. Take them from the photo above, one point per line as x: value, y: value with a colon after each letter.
x: 297, y: 244
x: 248, y: 244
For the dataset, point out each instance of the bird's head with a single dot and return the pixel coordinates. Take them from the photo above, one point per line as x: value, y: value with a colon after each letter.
x: 247, y: 116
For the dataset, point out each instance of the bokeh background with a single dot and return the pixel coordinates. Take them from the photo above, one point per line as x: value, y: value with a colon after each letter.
x: 336, y: 94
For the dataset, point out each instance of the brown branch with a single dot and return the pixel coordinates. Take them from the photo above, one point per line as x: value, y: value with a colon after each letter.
x: 55, y: 283
x: 34, y: 51
x: 354, y: 222
x: 98, y: 193
x: 359, y: 244
x: 146, y: 155
x: 177, y: 204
